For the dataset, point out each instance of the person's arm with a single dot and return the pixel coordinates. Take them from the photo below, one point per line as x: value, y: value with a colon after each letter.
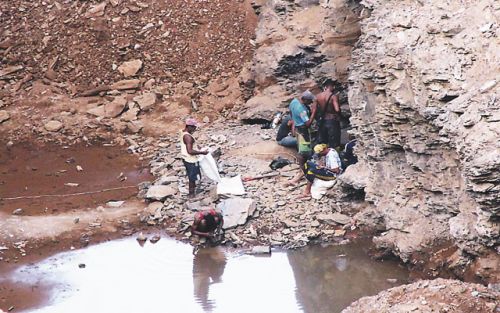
x: 335, y: 103
x: 188, y: 140
x: 194, y: 227
x: 292, y: 127
x: 314, y: 108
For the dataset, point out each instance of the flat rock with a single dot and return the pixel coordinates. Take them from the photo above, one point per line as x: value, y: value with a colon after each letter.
x: 126, y: 84
x: 53, y: 126
x: 115, y: 107
x: 333, y: 218
x: 165, y: 180
x: 130, y: 68
x: 261, y: 250
x: 153, y: 207
x: 146, y: 101
x: 115, y: 204
x: 4, y: 115
x: 18, y: 211
x: 236, y: 211
x: 159, y: 192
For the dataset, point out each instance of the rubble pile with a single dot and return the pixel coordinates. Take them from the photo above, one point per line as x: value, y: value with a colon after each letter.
x: 272, y: 215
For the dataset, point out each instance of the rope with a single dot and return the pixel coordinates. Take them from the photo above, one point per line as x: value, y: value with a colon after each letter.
x: 69, y: 194
x: 274, y: 154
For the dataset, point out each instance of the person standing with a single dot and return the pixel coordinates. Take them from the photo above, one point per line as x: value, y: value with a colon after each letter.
x: 328, y: 114
x: 302, y: 117
x: 190, y: 155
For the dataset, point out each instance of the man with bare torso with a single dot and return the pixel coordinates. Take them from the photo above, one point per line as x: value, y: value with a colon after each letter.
x: 328, y: 115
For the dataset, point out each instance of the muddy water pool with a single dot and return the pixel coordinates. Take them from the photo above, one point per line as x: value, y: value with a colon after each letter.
x: 122, y: 276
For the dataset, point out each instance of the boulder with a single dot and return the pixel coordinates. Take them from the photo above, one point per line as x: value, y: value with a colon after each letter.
x: 146, y: 100
x: 236, y: 211
x: 115, y: 108
x: 4, y: 115
x: 130, y: 68
x: 53, y: 126
x: 160, y: 193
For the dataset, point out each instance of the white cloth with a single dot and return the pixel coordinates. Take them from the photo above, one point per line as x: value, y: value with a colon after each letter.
x: 231, y: 186
x: 320, y: 187
x: 332, y: 160
x: 209, y: 167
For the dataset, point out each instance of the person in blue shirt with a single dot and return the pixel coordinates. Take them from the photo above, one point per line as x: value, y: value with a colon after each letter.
x: 302, y: 117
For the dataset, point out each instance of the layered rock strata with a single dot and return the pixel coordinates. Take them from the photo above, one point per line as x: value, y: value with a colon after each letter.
x: 424, y: 102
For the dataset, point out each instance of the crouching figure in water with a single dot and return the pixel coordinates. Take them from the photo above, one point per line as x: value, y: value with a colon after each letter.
x: 208, y: 224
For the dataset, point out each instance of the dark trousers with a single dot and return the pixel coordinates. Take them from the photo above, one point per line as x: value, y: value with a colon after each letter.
x: 329, y: 133
x: 312, y: 172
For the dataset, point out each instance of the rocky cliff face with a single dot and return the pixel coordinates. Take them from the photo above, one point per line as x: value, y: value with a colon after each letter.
x: 298, y: 43
x: 424, y: 102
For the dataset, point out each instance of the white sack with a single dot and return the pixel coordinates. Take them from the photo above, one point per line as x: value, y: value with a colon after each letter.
x: 209, y: 167
x: 231, y: 186
x: 320, y: 187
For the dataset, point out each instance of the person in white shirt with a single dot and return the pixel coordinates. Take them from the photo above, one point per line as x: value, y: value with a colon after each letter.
x: 190, y: 155
x: 325, y: 165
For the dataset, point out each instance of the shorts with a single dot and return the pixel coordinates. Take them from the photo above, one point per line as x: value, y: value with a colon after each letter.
x: 303, y: 145
x: 192, y: 170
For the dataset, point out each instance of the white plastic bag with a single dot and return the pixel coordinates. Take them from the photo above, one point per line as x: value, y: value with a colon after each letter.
x: 231, y: 186
x: 209, y: 167
x: 320, y: 187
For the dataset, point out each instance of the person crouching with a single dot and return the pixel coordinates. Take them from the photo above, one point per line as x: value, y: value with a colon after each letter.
x: 325, y: 165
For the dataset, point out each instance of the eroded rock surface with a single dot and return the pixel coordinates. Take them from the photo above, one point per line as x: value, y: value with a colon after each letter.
x: 439, y: 295
x: 424, y: 101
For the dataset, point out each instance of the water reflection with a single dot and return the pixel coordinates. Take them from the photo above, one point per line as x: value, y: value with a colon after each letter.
x: 208, y: 268
x: 123, y: 277
x: 328, y: 279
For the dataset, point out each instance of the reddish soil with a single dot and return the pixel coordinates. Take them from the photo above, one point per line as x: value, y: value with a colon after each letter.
x: 30, y: 170
x: 176, y: 40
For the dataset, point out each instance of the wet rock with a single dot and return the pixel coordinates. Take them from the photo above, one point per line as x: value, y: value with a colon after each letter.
x: 53, y: 126
x: 4, y: 116
x: 236, y: 211
x: 261, y: 250
x: 155, y: 239
x: 130, y: 68
x: 141, y: 237
x: 160, y: 193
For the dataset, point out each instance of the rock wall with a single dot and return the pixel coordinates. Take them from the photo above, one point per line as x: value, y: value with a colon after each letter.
x: 298, y: 43
x: 424, y: 97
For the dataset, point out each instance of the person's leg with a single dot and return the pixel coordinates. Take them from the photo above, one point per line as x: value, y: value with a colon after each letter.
x: 323, y: 133
x: 192, y: 188
x: 334, y: 134
x: 288, y: 141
